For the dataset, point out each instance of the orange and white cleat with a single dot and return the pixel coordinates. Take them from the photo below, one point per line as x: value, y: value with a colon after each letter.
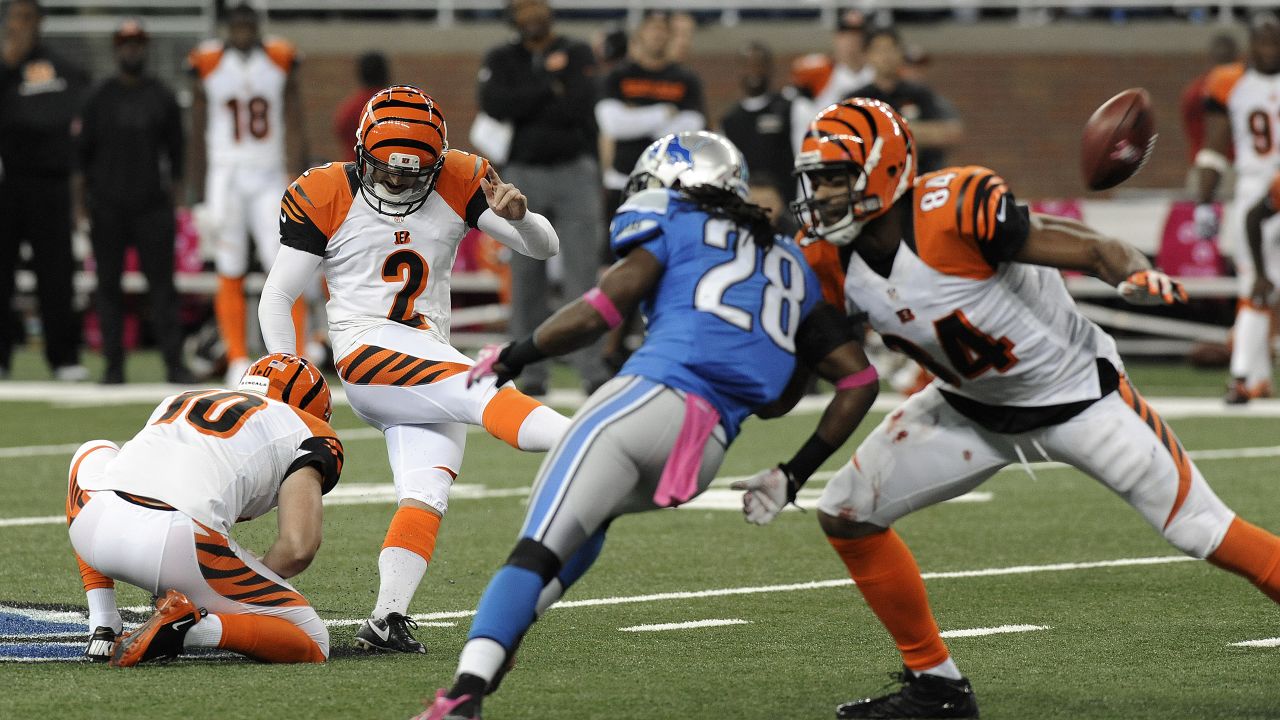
x: 160, y: 637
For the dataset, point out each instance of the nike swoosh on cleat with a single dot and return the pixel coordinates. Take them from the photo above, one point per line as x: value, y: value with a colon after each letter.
x: 382, y: 633
x: 178, y: 625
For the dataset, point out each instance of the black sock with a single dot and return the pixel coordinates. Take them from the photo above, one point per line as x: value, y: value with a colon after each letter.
x: 468, y: 684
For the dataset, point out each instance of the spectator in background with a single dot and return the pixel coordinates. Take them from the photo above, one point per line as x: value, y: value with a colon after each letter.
x: 40, y: 98
x: 610, y: 47
x: 645, y: 97
x: 935, y: 126
x: 821, y: 80
x: 545, y: 85
x: 1222, y: 50
x: 374, y: 74
x: 760, y: 123
x: 131, y: 152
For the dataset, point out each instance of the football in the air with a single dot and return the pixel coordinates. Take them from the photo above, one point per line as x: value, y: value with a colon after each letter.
x: 1118, y: 139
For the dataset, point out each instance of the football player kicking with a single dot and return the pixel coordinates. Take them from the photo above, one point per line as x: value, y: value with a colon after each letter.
x: 385, y: 229
x: 950, y: 270
x: 716, y: 286
x: 157, y: 513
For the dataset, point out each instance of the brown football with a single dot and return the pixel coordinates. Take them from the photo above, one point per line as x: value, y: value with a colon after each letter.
x: 1118, y: 139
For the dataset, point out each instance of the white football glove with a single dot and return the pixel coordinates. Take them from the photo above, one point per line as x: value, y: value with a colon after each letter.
x: 1206, y: 219
x: 765, y: 495
x: 1151, y: 287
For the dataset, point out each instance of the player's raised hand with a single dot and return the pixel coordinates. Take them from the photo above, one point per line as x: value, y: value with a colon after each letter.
x: 505, y: 199
x: 1151, y: 287
x: 489, y: 364
x: 765, y: 495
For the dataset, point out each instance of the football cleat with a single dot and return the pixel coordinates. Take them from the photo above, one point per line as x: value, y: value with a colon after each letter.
x: 100, y: 643
x: 1237, y: 393
x: 446, y: 708
x: 160, y: 637
x: 923, y: 696
x: 390, y: 634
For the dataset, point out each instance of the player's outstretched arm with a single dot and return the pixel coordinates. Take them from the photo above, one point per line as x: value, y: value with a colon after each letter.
x: 826, y: 342
x: 289, y: 275
x: 509, y: 220
x: 579, y: 323
x: 1069, y: 245
x: 301, y: 517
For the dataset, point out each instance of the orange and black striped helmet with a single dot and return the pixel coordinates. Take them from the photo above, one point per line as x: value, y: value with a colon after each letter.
x: 865, y: 145
x: 400, y: 147
x: 291, y: 380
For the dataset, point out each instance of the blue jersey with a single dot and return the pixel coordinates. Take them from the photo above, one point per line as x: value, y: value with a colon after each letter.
x: 723, y: 318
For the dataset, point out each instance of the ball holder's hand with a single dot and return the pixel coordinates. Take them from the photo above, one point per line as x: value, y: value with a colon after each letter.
x: 764, y: 496
x: 1151, y: 287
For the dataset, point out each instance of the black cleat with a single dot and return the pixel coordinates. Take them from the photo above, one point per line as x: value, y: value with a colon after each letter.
x: 925, y: 696
x: 390, y: 634
x: 98, y: 649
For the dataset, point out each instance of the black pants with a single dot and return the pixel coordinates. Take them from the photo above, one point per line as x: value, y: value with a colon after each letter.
x: 37, y: 210
x: 151, y: 230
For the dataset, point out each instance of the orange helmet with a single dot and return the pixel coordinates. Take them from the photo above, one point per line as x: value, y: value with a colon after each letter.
x: 400, y: 148
x: 864, y: 145
x: 292, y: 380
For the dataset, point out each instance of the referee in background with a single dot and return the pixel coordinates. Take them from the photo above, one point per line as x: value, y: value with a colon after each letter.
x: 131, y: 151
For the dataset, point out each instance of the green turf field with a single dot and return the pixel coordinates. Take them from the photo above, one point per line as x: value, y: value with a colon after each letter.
x: 1120, y: 641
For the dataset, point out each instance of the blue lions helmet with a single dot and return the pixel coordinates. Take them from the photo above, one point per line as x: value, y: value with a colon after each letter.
x: 690, y: 159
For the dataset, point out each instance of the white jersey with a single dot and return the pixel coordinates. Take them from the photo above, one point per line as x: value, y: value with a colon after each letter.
x: 219, y: 456
x: 1252, y: 103
x: 1000, y: 333
x: 382, y: 269
x: 245, y: 92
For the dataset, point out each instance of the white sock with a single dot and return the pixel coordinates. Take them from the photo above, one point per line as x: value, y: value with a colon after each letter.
x: 542, y: 429
x: 946, y: 669
x: 205, y: 634
x: 481, y: 657
x: 102, y: 609
x: 399, y: 572
x: 1250, y: 358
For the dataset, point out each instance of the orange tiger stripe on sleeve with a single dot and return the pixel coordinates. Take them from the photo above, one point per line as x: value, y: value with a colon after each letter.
x: 460, y: 179
x: 958, y: 218
x: 314, y: 206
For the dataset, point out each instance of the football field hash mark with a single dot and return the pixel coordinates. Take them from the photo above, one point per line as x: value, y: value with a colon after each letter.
x: 684, y: 625
x: 1266, y: 643
x: 1000, y: 630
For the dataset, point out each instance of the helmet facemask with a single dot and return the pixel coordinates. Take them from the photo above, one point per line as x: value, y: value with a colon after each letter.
x: 414, y: 192
x: 833, y: 202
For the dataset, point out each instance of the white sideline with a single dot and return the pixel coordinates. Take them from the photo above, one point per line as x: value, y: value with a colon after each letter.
x: 979, y: 632
x: 684, y: 625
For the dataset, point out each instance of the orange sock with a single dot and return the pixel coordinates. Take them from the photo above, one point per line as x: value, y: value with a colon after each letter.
x: 889, y: 579
x: 415, y: 530
x: 92, y: 579
x: 299, y: 313
x: 506, y: 412
x: 1252, y: 552
x: 229, y: 307
x: 268, y: 639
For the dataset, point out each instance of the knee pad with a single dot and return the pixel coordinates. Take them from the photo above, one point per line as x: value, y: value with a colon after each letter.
x: 530, y: 554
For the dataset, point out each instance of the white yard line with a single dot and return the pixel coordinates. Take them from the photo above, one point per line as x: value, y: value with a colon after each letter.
x: 979, y: 632
x: 1269, y: 642
x: 684, y: 625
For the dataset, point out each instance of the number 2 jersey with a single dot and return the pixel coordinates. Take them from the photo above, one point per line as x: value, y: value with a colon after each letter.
x: 723, y: 319
x: 1004, y: 338
x: 382, y: 269
x: 219, y: 456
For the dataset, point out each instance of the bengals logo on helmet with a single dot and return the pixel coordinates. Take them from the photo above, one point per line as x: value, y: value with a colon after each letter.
x: 401, y: 143
x: 859, y: 146
x: 291, y: 380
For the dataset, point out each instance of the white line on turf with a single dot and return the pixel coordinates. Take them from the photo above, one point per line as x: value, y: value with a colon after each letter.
x: 684, y: 625
x: 1268, y: 642
x: 979, y: 632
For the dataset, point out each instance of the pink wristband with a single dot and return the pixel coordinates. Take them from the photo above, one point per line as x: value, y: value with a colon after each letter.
x: 604, y: 306
x: 865, y: 376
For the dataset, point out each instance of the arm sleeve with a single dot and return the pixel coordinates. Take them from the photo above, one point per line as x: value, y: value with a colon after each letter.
x: 289, y: 275
x: 823, y: 330
x: 323, y: 453
x: 631, y: 123
x: 532, y: 236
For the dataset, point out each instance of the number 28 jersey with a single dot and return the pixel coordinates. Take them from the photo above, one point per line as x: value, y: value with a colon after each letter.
x: 723, y: 319
x: 245, y: 94
x: 219, y: 456
x: 382, y: 269
x: 998, y: 332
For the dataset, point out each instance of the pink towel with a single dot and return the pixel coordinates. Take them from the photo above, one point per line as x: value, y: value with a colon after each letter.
x: 679, y: 480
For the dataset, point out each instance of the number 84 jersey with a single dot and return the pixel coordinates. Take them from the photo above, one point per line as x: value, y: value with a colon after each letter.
x: 998, y: 332
x: 382, y: 269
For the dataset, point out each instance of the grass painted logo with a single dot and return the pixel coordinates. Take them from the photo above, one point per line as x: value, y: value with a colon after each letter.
x: 45, y: 633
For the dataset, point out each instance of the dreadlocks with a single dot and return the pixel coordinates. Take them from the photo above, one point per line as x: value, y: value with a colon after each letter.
x: 719, y: 202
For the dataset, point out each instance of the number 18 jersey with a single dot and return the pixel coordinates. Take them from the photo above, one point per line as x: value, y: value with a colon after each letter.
x: 998, y: 332
x: 722, y: 321
x: 245, y: 94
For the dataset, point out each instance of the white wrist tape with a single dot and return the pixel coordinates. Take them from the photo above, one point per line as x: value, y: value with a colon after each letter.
x: 1213, y: 160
